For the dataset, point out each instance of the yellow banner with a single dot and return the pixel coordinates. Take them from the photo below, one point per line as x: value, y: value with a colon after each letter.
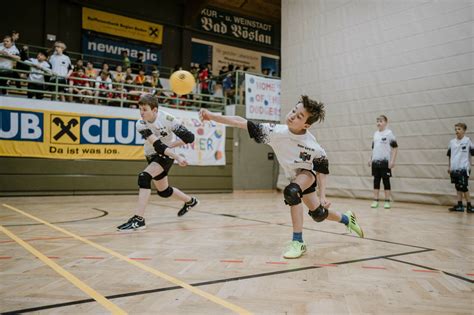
x: 122, y: 26
x: 61, y: 135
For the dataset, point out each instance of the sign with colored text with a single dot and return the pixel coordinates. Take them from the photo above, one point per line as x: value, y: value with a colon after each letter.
x: 122, y: 26
x: 43, y: 129
x: 262, y: 98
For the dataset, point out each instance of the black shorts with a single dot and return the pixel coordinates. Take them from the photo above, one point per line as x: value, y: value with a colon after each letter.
x: 460, y: 179
x: 311, y: 188
x: 165, y: 162
x: 61, y: 80
x: 380, y: 169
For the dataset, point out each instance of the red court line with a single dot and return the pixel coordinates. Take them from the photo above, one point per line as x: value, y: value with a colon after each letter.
x: 469, y: 274
x: 276, y: 263
x: 423, y: 270
x: 125, y: 234
x: 185, y: 259
x: 232, y: 261
x: 5, y: 257
x: 374, y: 267
x: 140, y: 258
x: 326, y: 265
x: 93, y: 257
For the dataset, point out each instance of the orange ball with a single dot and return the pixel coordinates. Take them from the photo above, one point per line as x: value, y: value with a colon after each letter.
x: 182, y: 82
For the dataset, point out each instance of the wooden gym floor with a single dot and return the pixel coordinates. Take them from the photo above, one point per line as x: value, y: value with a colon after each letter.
x: 225, y: 257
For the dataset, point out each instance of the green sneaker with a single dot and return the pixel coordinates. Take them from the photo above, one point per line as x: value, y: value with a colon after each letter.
x: 353, y: 226
x: 375, y: 204
x: 387, y: 205
x: 296, y: 250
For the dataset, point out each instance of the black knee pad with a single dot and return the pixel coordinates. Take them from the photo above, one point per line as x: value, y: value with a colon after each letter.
x: 144, y: 180
x: 292, y: 194
x: 166, y: 193
x: 320, y: 214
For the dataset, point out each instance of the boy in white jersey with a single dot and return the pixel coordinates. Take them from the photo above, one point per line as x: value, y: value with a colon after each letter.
x: 304, y: 162
x: 158, y: 129
x: 460, y: 151
x: 61, y: 67
x: 382, y: 160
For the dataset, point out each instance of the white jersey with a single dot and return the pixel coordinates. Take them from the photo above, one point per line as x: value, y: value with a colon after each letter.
x: 60, y: 64
x: 37, y: 75
x: 294, y: 152
x: 382, y: 146
x: 164, y: 127
x: 7, y: 63
x: 460, y: 152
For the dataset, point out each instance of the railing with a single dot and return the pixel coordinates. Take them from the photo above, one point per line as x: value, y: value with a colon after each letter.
x: 122, y: 94
x: 96, y: 60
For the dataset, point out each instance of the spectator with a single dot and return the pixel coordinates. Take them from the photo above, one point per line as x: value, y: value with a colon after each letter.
x: 15, y: 36
x: 119, y: 75
x: 228, y: 86
x: 223, y: 70
x: 10, y: 53
x: 39, y: 66
x: 266, y: 71
x: 61, y: 67
x: 104, y: 86
x: 125, y: 59
x: 204, y: 81
x: 79, y: 64
x: 91, y: 73
x: 23, y: 57
x: 78, y: 85
x: 106, y: 68
x: 140, y: 79
x: 155, y: 79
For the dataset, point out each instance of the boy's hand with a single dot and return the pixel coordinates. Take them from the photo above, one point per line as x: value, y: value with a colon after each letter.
x: 449, y: 171
x: 325, y: 203
x: 369, y: 163
x: 181, y: 161
x: 391, y: 165
x: 205, y: 114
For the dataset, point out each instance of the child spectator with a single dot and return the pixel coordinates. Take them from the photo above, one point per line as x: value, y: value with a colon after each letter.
x: 91, y: 73
x: 78, y: 85
x: 61, y: 67
x: 460, y: 151
x: 140, y: 79
x: 8, y: 55
x: 119, y: 75
x: 79, y: 64
x: 104, y: 86
x: 39, y: 66
x: 125, y: 59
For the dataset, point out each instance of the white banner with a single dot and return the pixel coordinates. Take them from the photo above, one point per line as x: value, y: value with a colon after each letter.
x: 262, y: 98
x: 44, y: 129
x: 208, y: 147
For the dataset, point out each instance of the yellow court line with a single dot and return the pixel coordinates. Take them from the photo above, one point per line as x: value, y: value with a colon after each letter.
x: 184, y: 285
x: 69, y: 276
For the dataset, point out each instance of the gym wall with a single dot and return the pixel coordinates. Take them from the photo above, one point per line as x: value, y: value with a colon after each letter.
x: 409, y: 60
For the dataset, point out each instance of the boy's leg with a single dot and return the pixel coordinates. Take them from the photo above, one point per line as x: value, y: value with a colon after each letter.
x: 469, y: 208
x: 387, y: 189
x: 292, y: 194
x: 144, y: 182
x: 375, y: 202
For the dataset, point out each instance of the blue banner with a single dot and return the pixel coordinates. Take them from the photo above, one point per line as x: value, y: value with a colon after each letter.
x: 105, y: 47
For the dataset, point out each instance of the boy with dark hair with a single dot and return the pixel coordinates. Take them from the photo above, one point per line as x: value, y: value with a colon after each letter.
x: 303, y: 161
x: 460, y: 151
x: 382, y: 160
x: 157, y: 128
x: 39, y: 66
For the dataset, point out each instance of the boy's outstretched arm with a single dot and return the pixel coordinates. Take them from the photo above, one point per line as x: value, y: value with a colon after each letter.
x: 232, y: 121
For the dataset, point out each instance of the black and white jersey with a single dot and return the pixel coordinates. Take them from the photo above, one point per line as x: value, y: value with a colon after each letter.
x: 382, y: 145
x: 60, y: 64
x: 460, y: 152
x: 294, y: 152
x: 37, y: 75
x: 7, y: 63
x: 164, y: 127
